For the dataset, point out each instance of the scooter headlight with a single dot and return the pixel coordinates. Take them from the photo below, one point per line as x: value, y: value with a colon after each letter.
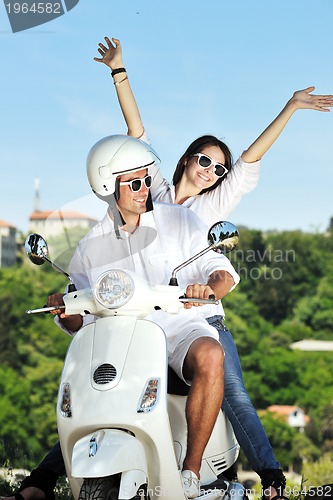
x: 114, y: 289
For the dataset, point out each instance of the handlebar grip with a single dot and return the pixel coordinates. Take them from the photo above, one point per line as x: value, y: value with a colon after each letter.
x: 210, y: 300
x: 44, y: 309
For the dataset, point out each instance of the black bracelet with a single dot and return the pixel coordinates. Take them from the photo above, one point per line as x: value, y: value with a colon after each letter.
x: 118, y: 70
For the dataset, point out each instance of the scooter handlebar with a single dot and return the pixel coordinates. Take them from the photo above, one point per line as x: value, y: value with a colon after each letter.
x: 82, y: 302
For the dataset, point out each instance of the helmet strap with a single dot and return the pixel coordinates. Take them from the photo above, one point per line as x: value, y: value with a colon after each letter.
x: 149, y: 203
x: 118, y: 220
x: 117, y: 189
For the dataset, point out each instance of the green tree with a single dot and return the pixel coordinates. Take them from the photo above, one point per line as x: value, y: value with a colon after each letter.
x: 326, y: 425
x: 8, y: 338
x: 14, y: 418
x: 303, y: 450
x: 293, y: 266
x: 319, y: 472
x: 30, y: 370
x: 316, y: 310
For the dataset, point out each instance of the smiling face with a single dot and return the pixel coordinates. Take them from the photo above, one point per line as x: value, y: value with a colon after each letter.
x: 199, y: 178
x: 132, y: 204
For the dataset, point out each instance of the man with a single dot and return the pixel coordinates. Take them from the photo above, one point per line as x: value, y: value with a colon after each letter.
x: 152, y: 242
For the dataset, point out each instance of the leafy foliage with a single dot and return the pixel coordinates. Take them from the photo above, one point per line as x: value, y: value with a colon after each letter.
x: 31, y: 363
x: 320, y: 473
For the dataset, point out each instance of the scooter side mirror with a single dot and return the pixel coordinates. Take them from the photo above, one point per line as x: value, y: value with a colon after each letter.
x: 223, y: 237
x: 36, y: 248
x: 38, y: 253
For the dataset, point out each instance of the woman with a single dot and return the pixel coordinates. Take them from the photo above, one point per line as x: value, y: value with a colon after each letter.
x: 212, y: 197
x: 206, y: 181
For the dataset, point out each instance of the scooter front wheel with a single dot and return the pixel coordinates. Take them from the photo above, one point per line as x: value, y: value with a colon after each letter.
x: 106, y: 488
x: 100, y: 488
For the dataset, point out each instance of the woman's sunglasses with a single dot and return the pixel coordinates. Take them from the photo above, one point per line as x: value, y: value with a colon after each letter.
x: 136, y: 184
x: 205, y: 162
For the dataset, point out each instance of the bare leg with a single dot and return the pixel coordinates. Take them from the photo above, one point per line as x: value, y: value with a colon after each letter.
x: 204, y: 366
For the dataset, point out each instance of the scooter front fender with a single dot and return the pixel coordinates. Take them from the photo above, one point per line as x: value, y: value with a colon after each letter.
x: 107, y: 452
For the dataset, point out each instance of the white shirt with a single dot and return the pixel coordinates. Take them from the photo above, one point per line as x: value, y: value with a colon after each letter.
x: 166, y: 237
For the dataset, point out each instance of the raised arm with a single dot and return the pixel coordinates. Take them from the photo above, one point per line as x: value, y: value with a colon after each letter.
x: 302, y: 99
x: 111, y: 56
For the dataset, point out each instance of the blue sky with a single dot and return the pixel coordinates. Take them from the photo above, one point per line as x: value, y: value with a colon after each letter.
x: 220, y: 67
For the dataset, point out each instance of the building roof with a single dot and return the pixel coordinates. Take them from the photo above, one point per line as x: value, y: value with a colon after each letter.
x: 3, y: 223
x: 59, y: 214
x: 286, y: 410
x: 313, y: 345
x: 283, y: 409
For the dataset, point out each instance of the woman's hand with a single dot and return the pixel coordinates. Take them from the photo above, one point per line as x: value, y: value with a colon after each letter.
x: 111, y: 55
x: 302, y: 99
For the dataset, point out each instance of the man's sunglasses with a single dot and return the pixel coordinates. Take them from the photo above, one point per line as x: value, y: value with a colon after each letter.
x: 136, y: 184
x: 205, y: 162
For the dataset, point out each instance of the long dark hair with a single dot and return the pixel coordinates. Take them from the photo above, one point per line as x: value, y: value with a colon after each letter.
x: 196, y: 147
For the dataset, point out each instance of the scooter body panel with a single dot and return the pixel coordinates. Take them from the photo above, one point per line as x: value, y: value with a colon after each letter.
x: 115, y: 405
x: 105, y: 431
x: 216, y: 458
x: 111, y: 451
x: 128, y: 453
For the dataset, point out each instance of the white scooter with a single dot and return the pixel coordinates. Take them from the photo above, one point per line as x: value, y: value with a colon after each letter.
x: 122, y: 435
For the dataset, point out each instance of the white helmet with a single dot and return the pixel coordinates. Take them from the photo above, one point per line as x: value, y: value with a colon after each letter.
x: 113, y: 156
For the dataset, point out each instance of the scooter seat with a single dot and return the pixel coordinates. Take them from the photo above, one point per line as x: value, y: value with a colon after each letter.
x: 176, y: 385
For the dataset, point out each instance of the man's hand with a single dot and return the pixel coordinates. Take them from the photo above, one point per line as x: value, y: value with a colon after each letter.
x: 219, y: 284
x: 197, y: 291
x: 56, y: 300
x: 111, y: 55
x: 71, y: 322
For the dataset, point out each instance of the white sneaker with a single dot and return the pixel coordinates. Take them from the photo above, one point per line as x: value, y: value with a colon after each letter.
x: 191, y: 484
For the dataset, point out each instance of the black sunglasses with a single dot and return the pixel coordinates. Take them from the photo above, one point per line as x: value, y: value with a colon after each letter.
x: 205, y: 162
